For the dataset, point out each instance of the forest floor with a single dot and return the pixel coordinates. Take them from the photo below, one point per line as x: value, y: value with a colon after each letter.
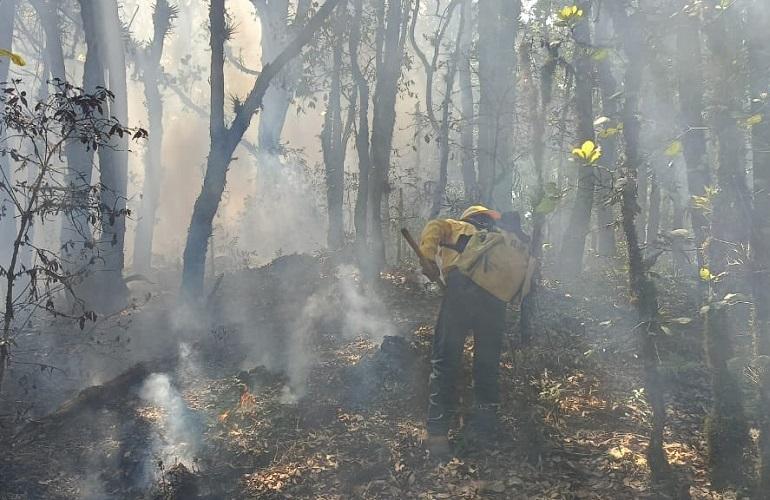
x: 196, y: 425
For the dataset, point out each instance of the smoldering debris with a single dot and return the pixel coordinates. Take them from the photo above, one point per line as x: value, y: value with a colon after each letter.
x: 396, y: 367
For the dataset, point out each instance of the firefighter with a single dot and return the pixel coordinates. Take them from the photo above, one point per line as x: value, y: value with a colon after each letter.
x: 485, y: 267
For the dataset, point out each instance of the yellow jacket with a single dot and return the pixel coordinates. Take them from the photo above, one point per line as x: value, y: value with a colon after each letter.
x: 496, y: 261
x: 440, y: 232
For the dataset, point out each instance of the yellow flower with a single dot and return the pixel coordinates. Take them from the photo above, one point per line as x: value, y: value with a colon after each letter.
x: 15, y: 58
x: 589, y: 152
x: 705, y: 274
x: 570, y: 13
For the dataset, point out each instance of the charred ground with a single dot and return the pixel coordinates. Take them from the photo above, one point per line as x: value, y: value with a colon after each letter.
x: 573, y: 418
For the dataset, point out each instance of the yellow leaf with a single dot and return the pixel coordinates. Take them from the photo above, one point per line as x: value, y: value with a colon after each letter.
x: 15, y: 58
x: 600, y: 55
x: 570, y: 13
x: 705, y: 274
x: 674, y: 149
x: 754, y: 120
x: 588, y: 152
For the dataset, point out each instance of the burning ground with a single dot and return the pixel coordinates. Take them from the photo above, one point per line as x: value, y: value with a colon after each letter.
x: 319, y: 391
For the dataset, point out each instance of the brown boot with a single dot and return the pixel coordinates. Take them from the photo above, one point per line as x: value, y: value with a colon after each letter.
x: 438, y: 448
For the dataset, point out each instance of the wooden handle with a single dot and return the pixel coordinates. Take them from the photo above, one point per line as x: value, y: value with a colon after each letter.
x: 412, y: 243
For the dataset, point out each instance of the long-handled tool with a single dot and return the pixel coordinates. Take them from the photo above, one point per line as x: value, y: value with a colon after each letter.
x: 412, y: 243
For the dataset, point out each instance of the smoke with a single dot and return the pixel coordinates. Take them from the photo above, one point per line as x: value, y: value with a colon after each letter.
x: 178, y: 441
x: 343, y: 307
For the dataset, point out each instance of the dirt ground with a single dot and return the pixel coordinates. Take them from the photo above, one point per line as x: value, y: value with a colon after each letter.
x: 573, y: 419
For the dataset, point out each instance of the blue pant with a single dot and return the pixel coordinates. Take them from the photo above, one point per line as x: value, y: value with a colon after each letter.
x: 466, y: 307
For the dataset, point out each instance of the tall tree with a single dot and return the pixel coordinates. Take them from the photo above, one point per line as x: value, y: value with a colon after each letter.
x: 110, y: 291
x: 642, y: 287
x: 467, y: 113
x: 573, y: 245
x: 759, y: 58
x: 151, y: 70
x: 224, y: 138
x: 279, y: 26
x: 334, y: 140
x: 392, y: 27
x: 608, y: 89
x: 361, y: 211
x: 7, y: 211
x: 498, y: 25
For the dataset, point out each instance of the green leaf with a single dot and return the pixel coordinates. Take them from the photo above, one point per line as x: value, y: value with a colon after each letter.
x: 546, y: 206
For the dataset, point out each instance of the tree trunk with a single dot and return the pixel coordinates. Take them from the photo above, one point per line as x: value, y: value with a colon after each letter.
x: 360, y: 214
x: 8, y: 211
x: 653, y: 219
x: 642, y: 287
x: 110, y: 290
x: 759, y: 62
x: 608, y: 87
x: 689, y: 67
x: 80, y: 158
x: 225, y: 139
x: 152, y: 70
x: 390, y: 54
x: 333, y: 153
x: 573, y: 246
x: 277, y: 30
x: 444, y: 147
x: 498, y: 22
x: 467, y: 114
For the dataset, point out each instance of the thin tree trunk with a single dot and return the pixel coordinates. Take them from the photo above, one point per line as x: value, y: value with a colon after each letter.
x: 225, y: 139
x: 608, y: 87
x: 360, y: 213
x: 390, y: 53
x: 573, y: 246
x: 332, y: 146
x: 8, y: 211
x: 444, y: 147
x: 150, y: 65
x: 110, y: 290
x: 497, y: 92
x: 759, y: 62
x: 641, y: 285
x: 467, y: 118
x: 653, y: 220
x: 689, y: 67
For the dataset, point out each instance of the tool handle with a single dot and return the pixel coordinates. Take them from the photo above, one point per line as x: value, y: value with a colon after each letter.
x: 412, y: 243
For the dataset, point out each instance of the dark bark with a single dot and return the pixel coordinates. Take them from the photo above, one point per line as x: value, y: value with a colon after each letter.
x: 360, y: 215
x: 392, y: 24
x: 642, y: 287
x: 109, y: 291
x: 759, y: 62
x: 333, y: 149
x: 278, y: 28
x: 467, y: 115
x: 151, y: 71
x: 608, y: 88
x: 689, y: 67
x: 573, y: 245
x: 446, y: 105
x: 224, y: 139
x: 498, y: 23
x: 7, y: 219
x: 653, y: 219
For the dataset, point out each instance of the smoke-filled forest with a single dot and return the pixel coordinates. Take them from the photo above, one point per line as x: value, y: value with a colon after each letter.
x: 420, y: 249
